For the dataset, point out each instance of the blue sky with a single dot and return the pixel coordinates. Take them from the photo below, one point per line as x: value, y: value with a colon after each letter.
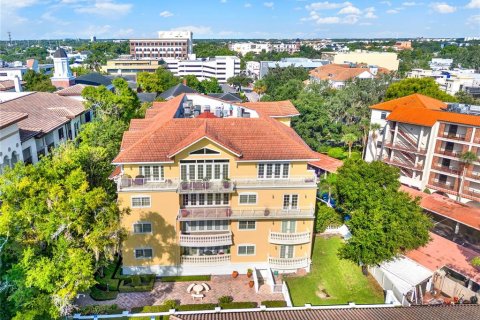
x: 41, y: 19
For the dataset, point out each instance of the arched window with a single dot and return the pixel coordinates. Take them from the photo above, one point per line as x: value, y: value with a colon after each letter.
x: 14, y: 158
x: 205, y: 151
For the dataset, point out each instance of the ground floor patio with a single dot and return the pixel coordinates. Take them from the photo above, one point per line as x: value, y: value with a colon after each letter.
x: 225, y: 285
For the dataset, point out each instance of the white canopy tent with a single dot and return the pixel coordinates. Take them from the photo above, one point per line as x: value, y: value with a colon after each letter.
x: 404, y: 277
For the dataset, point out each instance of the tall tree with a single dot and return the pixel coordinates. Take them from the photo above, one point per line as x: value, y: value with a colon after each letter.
x: 159, y: 81
x: 35, y: 81
x: 374, y: 127
x: 425, y: 86
x: 384, y: 221
x: 467, y: 158
x: 239, y: 81
x: 349, y: 139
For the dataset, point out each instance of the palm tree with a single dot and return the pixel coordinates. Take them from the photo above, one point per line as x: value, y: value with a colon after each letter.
x: 349, y: 139
x: 466, y: 159
x: 374, y: 127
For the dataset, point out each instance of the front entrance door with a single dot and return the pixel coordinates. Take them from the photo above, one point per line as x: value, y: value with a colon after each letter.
x: 288, y: 226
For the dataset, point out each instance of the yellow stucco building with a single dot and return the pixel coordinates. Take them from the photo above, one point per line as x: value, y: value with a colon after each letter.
x: 215, y: 187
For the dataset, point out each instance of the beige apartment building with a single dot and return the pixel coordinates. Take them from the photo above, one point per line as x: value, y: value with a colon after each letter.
x: 215, y: 187
x: 425, y: 138
x: 386, y: 60
x: 169, y: 44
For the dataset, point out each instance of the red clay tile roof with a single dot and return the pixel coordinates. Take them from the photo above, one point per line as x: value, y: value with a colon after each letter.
x: 46, y: 111
x: 326, y: 163
x: 8, y: 84
x: 274, y: 109
x: 440, y: 252
x: 441, y: 312
x: 206, y: 115
x: 9, y: 118
x: 115, y: 172
x: 75, y: 90
x: 447, y: 207
x: 340, y: 72
x: 158, y: 137
x: 415, y: 100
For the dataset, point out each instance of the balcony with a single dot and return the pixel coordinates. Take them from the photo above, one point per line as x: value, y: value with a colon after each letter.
x: 207, y: 260
x: 288, y: 263
x: 226, y: 213
x: 406, y: 148
x: 206, y: 240
x: 449, y: 153
x: 289, y: 238
x: 452, y: 136
x: 397, y: 163
x: 292, y: 181
x: 126, y: 183
x: 473, y: 175
x: 440, y: 167
x: 437, y: 184
x: 186, y: 187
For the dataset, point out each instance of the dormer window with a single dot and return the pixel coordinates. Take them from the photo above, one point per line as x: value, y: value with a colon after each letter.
x: 204, y: 151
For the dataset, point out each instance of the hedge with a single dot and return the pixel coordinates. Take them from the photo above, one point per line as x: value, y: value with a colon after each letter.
x: 100, y: 309
x: 185, y: 278
x: 274, y: 303
x: 100, y: 295
x: 147, y: 281
x: 196, y: 307
x: 238, y: 305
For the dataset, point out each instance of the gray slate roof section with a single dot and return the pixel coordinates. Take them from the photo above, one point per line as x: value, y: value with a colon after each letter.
x: 231, y: 97
x: 93, y: 79
x: 146, y: 96
x: 176, y: 90
x: 60, y: 53
x: 227, y: 88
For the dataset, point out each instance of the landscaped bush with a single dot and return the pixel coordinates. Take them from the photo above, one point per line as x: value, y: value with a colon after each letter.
x: 137, y: 283
x: 100, y: 294
x: 196, y: 307
x: 170, y: 304
x: 225, y: 299
x: 186, y: 278
x: 337, y: 153
x: 238, y: 305
x: 326, y: 216
x: 148, y: 309
x: 274, y: 303
x: 100, y: 309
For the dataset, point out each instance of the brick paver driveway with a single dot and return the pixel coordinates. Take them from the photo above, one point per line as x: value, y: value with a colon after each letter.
x: 220, y: 286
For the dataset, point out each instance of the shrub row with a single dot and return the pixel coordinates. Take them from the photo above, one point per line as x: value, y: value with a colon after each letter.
x: 100, y: 309
x: 196, y: 307
x: 238, y: 305
x: 274, y: 303
x: 101, y: 295
x: 186, y: 278
x: 137, y: 283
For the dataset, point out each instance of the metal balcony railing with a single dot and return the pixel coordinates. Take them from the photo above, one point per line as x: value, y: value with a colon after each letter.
x: 288, y: 263
x: 128, y: 183
x: 398, y: 163
x: 440, y: 167
x: 289, y: 238
x: 206, y: 240
x: 206, y: 260
x: 450, y: 153
x: 186, y: 187
x: 401, y: 147
x: 453, y: 136
x: 226, y: 213
x: 301, y: 181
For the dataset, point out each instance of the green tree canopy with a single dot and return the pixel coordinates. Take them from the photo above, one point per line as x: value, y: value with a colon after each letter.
x: 35, y: 81
x: 159, y: 81
x: 240, y: 81
x: 384, y: 221
x: 425, y: 86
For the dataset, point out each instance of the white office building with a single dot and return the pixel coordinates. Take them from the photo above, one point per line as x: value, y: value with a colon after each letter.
x: 220, y: 67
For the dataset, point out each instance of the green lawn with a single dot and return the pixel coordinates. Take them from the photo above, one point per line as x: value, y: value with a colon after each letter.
x: 342, y: 280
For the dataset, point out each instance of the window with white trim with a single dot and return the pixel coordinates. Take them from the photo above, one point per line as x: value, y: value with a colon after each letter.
x: 208, y: 225
x: 290, y: 201
x: 273, y: 170
x: 247, y: 198
x: 210, y: 199
x: 246, y: 250
x: 205, y: 151
x: 142, y: 227
x: 140, y: 202
x: 143, y: 253
x: 204, y: 169
x: 152, y: 173
x: 247, y: 225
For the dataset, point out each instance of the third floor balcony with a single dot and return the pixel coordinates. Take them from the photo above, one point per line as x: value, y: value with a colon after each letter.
x: 292, y: 181
x: 227, y: 213
x: 200, y: 186
x: 405, y: 147
x: 206, y: 239
x: 289, y: 237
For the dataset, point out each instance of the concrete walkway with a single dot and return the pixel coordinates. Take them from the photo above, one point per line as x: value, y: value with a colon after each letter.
x: 220, y: 286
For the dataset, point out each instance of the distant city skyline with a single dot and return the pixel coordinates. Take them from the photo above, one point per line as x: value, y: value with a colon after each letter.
x: 123, y: 19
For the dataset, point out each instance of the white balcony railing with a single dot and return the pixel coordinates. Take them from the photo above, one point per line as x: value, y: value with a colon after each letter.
x: 127, y: 183
x: 289, y: 238
x: 226, y: 213
x: 206, y: 187
x: 288, y: 263
x: 206, y: 240
x: 300, y: 181
x: 206, y: 260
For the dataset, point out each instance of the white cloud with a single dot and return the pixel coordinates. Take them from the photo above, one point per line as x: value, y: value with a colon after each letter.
x: 123, y: 33
x: 474, y: 20
x: 392, y: 11
x: 442, y: 7
x: 166, y: 14
x: 388, y: 3
x: 326, y: 5
x: 409, y: 4
x: 350, y: 10
x: 350, y: 19
x: 370, y: 15
x: 106, y: 8
x: 248, y: 5
x: 328, y: 20
x: 268, y: 4
x: 8, y: 11
x: 474, y: 4
x: 47, y: 16
x: 202, y: 30
x: 223, y: 1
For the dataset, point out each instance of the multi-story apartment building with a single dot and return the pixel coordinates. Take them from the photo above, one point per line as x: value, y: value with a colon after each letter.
x: 424, y: 138
x: 170, y: 44
x: 386, y: 60
x: 246, y: 47
x: 220, y: 67
x: 215, y: 187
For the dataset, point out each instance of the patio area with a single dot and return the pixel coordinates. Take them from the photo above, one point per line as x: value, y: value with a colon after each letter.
x: 220, y: 286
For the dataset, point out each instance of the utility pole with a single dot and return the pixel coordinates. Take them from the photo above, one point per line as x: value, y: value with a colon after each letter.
x: 9, y: 38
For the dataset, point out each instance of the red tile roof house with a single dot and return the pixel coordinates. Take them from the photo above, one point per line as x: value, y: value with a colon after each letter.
x: 39, y: 121
x: 338, y: 74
